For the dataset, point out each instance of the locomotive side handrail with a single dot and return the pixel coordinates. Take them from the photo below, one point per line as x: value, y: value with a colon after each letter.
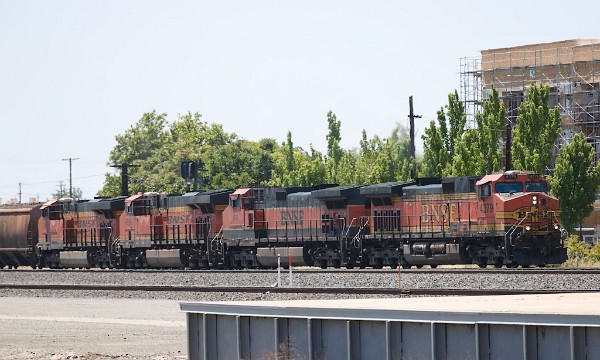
x: 349, y: 226
x: 508, y: 235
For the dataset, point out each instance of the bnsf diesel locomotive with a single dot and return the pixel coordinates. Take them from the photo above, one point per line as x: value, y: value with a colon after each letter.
x: 503, y: 219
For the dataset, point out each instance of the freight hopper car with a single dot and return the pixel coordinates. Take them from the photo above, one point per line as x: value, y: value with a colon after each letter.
x: 304, y: 225
x: 18, y: 234
x: 501, y: 219
x: 158, y: 230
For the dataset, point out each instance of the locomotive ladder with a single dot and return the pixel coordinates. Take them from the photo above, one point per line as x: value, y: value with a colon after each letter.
x: 508, y: 235
x: 113, y: 246
x: 354, y: 243
x: 215, y: 246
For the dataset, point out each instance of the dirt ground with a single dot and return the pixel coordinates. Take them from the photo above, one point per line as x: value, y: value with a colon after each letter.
x: 91, y: 329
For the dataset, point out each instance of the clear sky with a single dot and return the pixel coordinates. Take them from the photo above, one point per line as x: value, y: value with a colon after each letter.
x: 76, y: 73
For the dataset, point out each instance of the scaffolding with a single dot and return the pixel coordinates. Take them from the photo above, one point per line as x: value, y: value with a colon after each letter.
x: 569, y: 68
x: 471, y: 87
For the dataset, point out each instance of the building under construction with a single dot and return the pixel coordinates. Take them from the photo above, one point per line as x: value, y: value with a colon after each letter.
x: 570, y: 68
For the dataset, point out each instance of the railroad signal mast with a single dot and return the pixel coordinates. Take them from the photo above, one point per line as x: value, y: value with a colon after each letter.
x: 124, y: 177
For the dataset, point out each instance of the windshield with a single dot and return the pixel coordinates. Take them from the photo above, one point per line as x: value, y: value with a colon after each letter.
x: 509, y: 187
x: 536, y: 187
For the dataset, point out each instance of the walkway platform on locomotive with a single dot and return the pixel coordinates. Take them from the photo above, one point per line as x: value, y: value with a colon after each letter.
x: 562, y: 326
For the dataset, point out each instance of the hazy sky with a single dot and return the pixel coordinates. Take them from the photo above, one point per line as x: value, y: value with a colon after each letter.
x: 76, y: 73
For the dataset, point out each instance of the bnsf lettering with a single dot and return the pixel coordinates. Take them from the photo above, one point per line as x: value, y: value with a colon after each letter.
x: 293, y: 215
x: 439, y: 212
x: 180, y: 219
x: 87, y: 223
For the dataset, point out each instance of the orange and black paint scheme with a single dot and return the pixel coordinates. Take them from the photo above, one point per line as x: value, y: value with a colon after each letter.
x: 500, y: 219
x: 82, y: 231
x: 503, y: 219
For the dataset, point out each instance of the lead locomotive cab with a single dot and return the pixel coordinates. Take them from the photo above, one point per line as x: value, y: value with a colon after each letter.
x: 516, y: 208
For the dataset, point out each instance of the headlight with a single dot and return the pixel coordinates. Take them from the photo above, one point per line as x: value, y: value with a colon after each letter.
x: 555, y: 226
x: 527, y: 228
x: 534, y: 200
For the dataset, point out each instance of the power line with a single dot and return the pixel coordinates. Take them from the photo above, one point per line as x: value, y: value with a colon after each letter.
x: 53, y: 181
x: 27, y: 161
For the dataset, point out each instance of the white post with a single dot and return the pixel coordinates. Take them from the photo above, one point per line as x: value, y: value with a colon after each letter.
x: 278, y: 270
x: 290, y: 264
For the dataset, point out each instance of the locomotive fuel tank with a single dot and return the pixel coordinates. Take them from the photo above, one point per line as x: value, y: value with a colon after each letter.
x: 268, y: 257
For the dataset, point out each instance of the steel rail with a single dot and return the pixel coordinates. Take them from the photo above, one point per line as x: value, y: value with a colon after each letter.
x: 289, y: 290
x: 586, y: 271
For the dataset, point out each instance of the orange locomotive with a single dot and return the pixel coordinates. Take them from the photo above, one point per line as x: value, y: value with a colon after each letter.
x: 304, y: 225
x: 76, y: 233
x: 501, y: 219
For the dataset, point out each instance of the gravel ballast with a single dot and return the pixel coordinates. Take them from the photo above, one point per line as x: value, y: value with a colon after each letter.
x: 325, y: 279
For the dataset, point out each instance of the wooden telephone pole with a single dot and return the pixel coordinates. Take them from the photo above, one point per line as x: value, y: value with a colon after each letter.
x: 412, y: 118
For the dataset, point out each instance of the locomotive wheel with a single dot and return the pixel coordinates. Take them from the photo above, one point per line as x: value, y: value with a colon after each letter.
x: 393, y: 266
x: 406, y: 266
x: 498, y: 263
x: 433, y: 266
x: 420, y: 266
x: 482, y: 263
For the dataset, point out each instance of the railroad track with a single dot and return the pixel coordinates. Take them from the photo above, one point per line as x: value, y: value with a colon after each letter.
x: 549, y: 270
x: 290, y: 290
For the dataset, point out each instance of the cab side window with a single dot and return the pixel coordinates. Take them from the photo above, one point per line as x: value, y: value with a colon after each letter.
x: 485, y: 190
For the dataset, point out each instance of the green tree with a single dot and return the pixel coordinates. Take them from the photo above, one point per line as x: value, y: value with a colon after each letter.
x: 137, y: 144
x: 334, y: 150
x: 226, y: 160
x: 536, y: 131
x: 264, y: 167
x: 290, y: 164
x: 457, y: 119
x: 309, y: 169
x: 491, y: 125
x: 435, y: 153
x: 440, y: 141
x: 63, y: 192
x: 467, y: 158
x: 575, y: 181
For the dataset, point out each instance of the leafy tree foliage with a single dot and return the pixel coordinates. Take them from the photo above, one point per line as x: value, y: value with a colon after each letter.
x: 334, y: 150
x: 536, y: 131
x: 440, y: 141
x: 308, y: 169
x: 226, y: 161
x: 467, y: 158
x: 575, y: 181
x: 137, y: 144
x: 63, y: 192
x: 491, y: 125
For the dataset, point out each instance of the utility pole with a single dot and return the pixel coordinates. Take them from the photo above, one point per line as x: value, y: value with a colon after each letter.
x: 124, y: 177
x: 61, y: 190
x: 20, y: 193
x: 70, y: 160
x: 412, y: 118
